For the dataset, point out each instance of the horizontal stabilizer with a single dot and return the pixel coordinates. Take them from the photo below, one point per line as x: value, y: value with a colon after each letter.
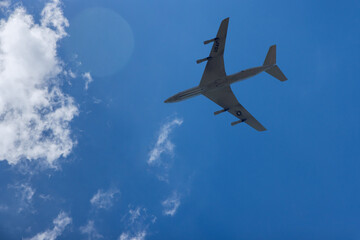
x: 276, y: 73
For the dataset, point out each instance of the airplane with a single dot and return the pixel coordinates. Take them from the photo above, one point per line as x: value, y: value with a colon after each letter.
x: 215, y: 84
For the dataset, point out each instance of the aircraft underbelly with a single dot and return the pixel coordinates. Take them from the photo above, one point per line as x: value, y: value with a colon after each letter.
x: 245, y: 74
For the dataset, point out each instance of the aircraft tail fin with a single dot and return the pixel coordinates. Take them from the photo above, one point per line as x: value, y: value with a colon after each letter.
x: 270, y: 56
x: 271, y: 60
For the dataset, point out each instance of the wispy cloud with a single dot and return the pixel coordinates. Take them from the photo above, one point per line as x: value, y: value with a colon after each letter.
x: 88, y: 79
x: 45, y: 197
x: 163, y: 143
x: 104, y: 199
x: 134, y: 214
x: 96, y: 100
x: 3, y: 208
x: 70, y: 73
x: 60, y: 223
x: 34, y: 112
x: 136, y: 236
x: 171, y: 204
x: 137, y: 222
x: 90, y: 230
x: 24, y: 194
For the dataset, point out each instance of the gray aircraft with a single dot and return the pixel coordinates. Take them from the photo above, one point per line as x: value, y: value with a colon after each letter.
x: 215, y: 84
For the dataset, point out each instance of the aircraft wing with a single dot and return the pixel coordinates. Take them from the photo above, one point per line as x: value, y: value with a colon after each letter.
x: 215, y: 68
x: 227, y: 100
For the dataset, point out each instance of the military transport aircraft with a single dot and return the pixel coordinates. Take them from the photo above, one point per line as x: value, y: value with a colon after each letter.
x: 215, y: 84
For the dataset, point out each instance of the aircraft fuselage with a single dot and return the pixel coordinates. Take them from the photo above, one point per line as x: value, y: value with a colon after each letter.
x: 230, y: 79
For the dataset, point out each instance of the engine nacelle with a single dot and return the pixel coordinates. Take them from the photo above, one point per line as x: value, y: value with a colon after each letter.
x: 202, y: 60
x: 211, y: 40
x: 237, y: 122
x: 221, y: 111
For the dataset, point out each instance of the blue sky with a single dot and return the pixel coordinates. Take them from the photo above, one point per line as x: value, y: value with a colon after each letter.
x: 112, y: 161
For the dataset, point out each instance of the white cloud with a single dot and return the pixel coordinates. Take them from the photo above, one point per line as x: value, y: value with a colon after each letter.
x: 137, y: 236
x: 171, y: 204
x: 163, y: 143
x: 34, y: 112
x: 104, y: 199
x: 90, y: 230
x: 5, y: 4
x: 88, y: 79
x: 60, y: 223
x: 52, y: 16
